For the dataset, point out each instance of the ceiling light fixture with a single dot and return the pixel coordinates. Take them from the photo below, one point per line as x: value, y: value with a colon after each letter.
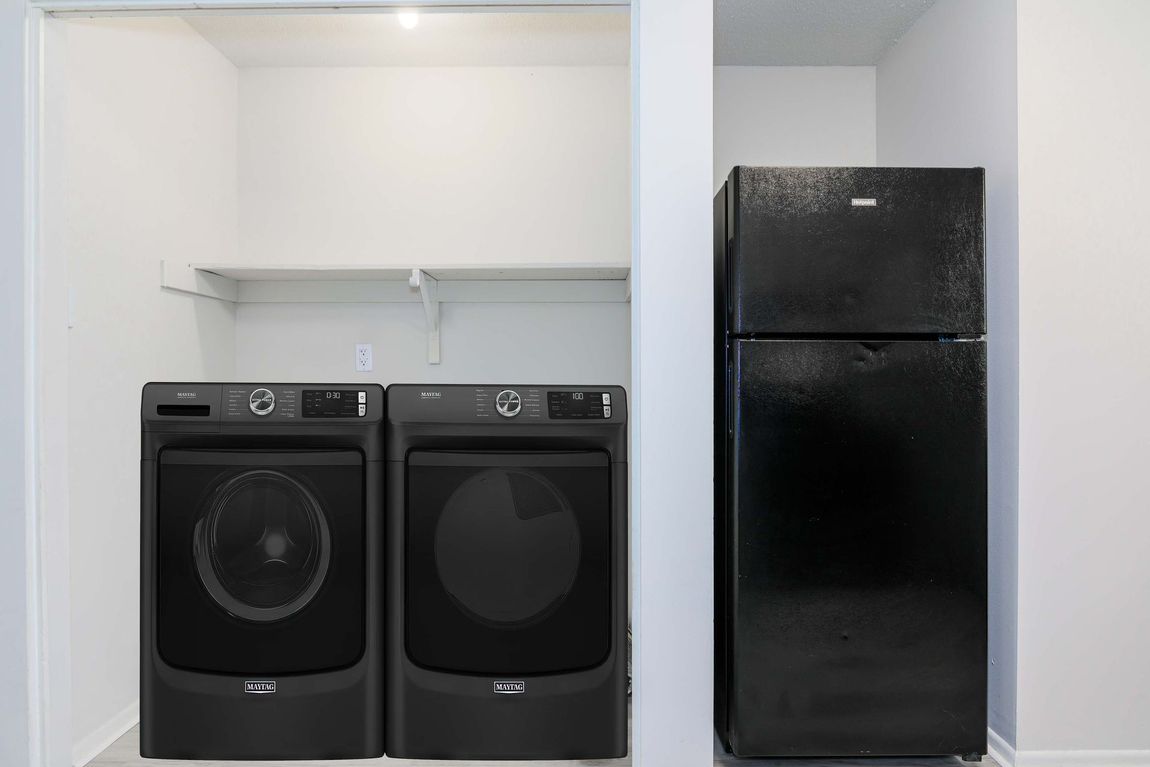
x: 408, y: 19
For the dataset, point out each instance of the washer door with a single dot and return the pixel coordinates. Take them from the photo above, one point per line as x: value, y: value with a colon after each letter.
x: 260, y: 562
x: 508, y: 561
x: 262, y: 547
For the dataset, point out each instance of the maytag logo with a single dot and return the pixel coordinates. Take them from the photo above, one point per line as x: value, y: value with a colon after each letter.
x: 509, y: 688
x: 260, y: 688
x: 185, y: 394
x: 864, y: 202
x: 430, y: 394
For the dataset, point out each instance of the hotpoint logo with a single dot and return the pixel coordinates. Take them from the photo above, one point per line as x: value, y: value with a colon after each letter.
x: 509, y: 688
x: 430, y: 394
x: 260, y: 688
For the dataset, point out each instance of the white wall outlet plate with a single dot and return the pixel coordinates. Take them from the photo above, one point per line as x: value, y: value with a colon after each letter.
x: 363, y: 358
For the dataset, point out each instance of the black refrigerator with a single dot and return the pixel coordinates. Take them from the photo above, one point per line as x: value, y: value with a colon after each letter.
x: 850, y: 462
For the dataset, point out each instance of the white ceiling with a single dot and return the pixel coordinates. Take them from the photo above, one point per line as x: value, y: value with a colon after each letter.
x: 440, y: 39
x: 810, y: 32
x: 747, y: 33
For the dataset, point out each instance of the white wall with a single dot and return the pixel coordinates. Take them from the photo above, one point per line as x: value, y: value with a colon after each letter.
x: 480, y: 343
x: 16, y: 726
x: 1084, y: 276
x: 148, y: 173
x: 448, y: 165
x: 946, y: 95
x: 435, y: 165
x: 793, y: 116
x: 53, y: 441
x: 672, y: 534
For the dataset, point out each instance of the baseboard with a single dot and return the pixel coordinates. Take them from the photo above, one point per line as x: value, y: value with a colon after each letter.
x: 999, y: 750
x: 91, y: 745
x: 1107, y: 758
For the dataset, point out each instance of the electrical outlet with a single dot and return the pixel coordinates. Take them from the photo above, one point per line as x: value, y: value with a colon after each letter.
x: 363, y: 358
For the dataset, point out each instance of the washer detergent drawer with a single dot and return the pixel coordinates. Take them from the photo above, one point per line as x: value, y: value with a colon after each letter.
x: 507, y: 562
x: 260, y: 560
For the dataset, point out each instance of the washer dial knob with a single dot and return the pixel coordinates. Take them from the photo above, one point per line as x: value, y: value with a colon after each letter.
x: 262, y: 402
x: 508, y: 404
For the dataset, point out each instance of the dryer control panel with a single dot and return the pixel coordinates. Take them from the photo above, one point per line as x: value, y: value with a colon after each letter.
x: 507, y: 404
x: 579, y: 405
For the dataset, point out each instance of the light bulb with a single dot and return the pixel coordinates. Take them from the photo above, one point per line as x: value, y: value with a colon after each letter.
x: 408, y: 19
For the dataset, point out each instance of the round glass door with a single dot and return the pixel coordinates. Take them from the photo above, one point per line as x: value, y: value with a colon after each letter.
x: 507, y: 546
x: 262, y: 547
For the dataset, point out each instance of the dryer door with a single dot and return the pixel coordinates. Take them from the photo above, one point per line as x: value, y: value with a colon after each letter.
x: 260, y: 559
x: 507, y: 567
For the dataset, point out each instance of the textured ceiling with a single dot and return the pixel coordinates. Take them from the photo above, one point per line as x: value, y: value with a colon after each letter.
x: 440, y: 39
x: 810, y: 32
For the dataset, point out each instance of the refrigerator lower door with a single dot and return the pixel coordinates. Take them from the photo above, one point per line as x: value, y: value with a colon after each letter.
x: 856, y: 548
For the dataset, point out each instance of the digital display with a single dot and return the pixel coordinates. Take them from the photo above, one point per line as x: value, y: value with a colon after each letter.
x: 334, y: 403
x: 579, y: 404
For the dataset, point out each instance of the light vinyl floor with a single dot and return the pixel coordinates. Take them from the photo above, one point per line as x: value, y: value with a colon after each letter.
x: 125, y: 752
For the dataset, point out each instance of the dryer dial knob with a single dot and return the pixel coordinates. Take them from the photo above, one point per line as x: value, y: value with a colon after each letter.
x: 262, y: 402
x: 508, y: 404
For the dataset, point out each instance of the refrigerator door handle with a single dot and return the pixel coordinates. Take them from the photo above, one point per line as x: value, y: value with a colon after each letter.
x: 730, y: 394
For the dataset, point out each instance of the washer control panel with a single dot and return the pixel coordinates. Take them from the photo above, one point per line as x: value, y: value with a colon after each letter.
x: 334, y: 403
x: 262, y: 403
x: 274, y: 403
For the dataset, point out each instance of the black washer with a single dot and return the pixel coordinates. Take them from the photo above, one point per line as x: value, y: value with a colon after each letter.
x: 261, y: 616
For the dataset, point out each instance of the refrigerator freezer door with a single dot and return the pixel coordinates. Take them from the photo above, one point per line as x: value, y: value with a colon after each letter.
x: 856, y: 591
x: 856, y: 250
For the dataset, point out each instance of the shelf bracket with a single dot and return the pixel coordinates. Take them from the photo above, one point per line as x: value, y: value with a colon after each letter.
x: 429, y: 293
x: 185, y: 278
